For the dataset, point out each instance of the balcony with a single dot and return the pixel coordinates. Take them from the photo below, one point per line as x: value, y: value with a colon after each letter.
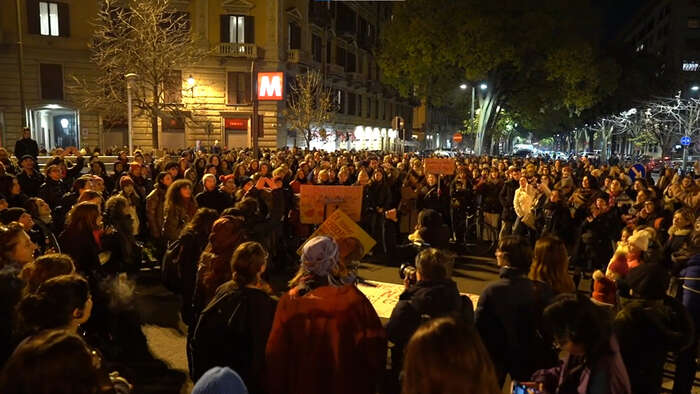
x: 235, y: 49
x: 297, y: 56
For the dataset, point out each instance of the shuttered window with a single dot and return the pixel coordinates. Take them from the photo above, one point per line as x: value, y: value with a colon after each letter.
x: 238, y: 88
x: 48, y: 18
x: 51, y: 78
x: 237, y: 28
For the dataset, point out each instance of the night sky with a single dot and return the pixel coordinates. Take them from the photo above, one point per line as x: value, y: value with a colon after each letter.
x: 617, y: 13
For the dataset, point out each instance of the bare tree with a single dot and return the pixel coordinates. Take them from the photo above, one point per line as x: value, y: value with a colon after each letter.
x: 149, y: 39
x: 309, y: 106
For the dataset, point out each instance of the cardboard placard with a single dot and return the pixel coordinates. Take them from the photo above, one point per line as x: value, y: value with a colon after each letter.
x: 439, y: 166
x: 338, y: 226
x: 318, y: 202
x: 384, y: 296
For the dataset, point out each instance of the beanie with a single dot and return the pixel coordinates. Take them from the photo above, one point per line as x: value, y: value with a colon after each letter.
x: 649, y: 281
x: 640, y: 240
x: 11, y: 215
x: 220, y: 380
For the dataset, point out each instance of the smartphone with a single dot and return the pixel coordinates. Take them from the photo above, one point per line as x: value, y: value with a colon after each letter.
x: 521, y: 388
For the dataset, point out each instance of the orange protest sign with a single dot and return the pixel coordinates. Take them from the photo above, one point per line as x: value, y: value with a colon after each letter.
x: 339, y: 226
x: 439, y: 166
x: 318, y: 202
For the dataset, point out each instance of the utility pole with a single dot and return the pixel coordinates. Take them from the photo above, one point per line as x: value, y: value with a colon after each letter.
x: 254, y: 120
x: 20, y: 64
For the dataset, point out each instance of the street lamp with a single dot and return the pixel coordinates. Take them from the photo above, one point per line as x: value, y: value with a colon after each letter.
x: 483, y: 86
x: 129, y: 78
x: 190, y: 84
x: 463, y: 86
x: 695, y: 88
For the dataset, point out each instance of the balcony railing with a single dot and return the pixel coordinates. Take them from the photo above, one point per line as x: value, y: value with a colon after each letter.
x: 297, y: 56
x: 235, y: 49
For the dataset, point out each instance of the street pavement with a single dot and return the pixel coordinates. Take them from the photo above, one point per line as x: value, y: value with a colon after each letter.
x: 166, y: 334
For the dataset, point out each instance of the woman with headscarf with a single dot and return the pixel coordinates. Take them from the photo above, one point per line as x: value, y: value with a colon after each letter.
x: 324, y: 328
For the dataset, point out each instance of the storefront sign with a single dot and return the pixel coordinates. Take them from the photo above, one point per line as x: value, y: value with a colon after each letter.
x: 339, y: 226
x: 439, y: 166
x: 318, y: 202
x: 271, y: 86
x: 236, y: 124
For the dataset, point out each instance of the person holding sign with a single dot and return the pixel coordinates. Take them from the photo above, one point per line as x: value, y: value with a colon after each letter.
x: 379, y: 201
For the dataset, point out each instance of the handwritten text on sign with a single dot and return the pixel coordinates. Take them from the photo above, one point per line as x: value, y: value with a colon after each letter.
x: 318, y: 202
x: 339, y: 226
x: 439, y: 166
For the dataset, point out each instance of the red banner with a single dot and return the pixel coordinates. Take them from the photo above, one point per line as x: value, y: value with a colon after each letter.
x: 236, y: 124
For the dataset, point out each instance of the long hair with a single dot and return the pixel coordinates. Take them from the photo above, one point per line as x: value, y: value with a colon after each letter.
x: 174, y: 199
x: 550, y: 264
x: 53, y: 303
x: 53, y: 362
x: 444, y: 356
x: 9, y: 238
x: 83, y: 217
x: 247, y: 262
x: 201, y: 222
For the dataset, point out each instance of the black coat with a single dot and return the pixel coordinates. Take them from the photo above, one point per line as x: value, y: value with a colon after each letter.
x: 81, y: 246
x: 434, y: 299
x: 52, y: 192
x: 555, y: 218
x: 191, y: 247
x: 508, y: 317
x: 647, y: 330
x: 26, y: 146
x: 30, y: 184
x: 241, y: 345
x: 215, y: 199
x: 506, y: 198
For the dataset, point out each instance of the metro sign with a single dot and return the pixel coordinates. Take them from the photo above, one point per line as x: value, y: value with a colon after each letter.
x: 271, y: 86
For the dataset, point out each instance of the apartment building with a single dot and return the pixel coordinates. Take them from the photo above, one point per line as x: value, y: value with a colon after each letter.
x: 287, y: 36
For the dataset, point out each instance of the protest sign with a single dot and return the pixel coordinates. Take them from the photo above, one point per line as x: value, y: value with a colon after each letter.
x: 439, y: 166
x: 384, y: 296
x: 339, y: 226
x: 319, y: 202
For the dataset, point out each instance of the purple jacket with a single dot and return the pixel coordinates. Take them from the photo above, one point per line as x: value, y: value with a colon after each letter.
x: 608, y: 377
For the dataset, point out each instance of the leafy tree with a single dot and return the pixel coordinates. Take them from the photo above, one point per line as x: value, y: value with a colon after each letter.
x: 309, y: 106
x: 149, y: 39
x: 533, y: 59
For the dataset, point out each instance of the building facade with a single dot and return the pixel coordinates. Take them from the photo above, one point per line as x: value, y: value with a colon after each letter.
x: 287, y: 36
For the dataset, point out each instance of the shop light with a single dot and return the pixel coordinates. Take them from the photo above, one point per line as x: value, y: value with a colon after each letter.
x: 368, y: 134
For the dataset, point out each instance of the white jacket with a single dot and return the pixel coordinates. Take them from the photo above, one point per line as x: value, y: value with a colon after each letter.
x: 524, y: 204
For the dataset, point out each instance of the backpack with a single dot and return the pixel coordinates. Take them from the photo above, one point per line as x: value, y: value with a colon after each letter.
x: 222, y: 335
x: 170, y: 270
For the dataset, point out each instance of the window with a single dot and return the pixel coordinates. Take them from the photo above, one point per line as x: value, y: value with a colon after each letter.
x: 694, y: 23
x: 51, y: 76
x: 48, y: 18
x: 351, y: 66
x: 339, y: 55
x: 340, y: 100
x: 294, y: 39
x: 352, y: 104
x: 238, y: 88
x: 317, y: 48
x: 172, y: 87
x: 237, y: 29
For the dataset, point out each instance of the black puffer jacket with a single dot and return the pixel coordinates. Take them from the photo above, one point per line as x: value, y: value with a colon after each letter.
x: 506, y: 198
x: 52, y: 192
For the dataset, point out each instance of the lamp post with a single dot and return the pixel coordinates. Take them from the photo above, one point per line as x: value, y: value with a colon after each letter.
x: 129, y: 77
x: 483, y: 86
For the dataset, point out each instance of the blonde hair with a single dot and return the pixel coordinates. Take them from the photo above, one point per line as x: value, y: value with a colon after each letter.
x: 550, y: 264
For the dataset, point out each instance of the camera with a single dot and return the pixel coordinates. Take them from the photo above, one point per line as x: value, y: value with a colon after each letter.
x: 408, y: 271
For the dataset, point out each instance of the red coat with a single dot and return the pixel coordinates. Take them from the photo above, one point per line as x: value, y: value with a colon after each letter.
x: 327, y: 341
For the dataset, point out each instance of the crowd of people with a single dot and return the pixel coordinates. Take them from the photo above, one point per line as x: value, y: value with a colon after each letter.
x: 220, y: 224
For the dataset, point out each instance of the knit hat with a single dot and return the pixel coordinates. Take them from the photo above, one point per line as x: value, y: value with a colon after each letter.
x: 226, y: 178
x: 618, y: 265
x: 639, y: 240
x: 25, y: 157
x: 320, y: 255
x: 220, y: 380
x: 11, y: 215
x: 648, y: 281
